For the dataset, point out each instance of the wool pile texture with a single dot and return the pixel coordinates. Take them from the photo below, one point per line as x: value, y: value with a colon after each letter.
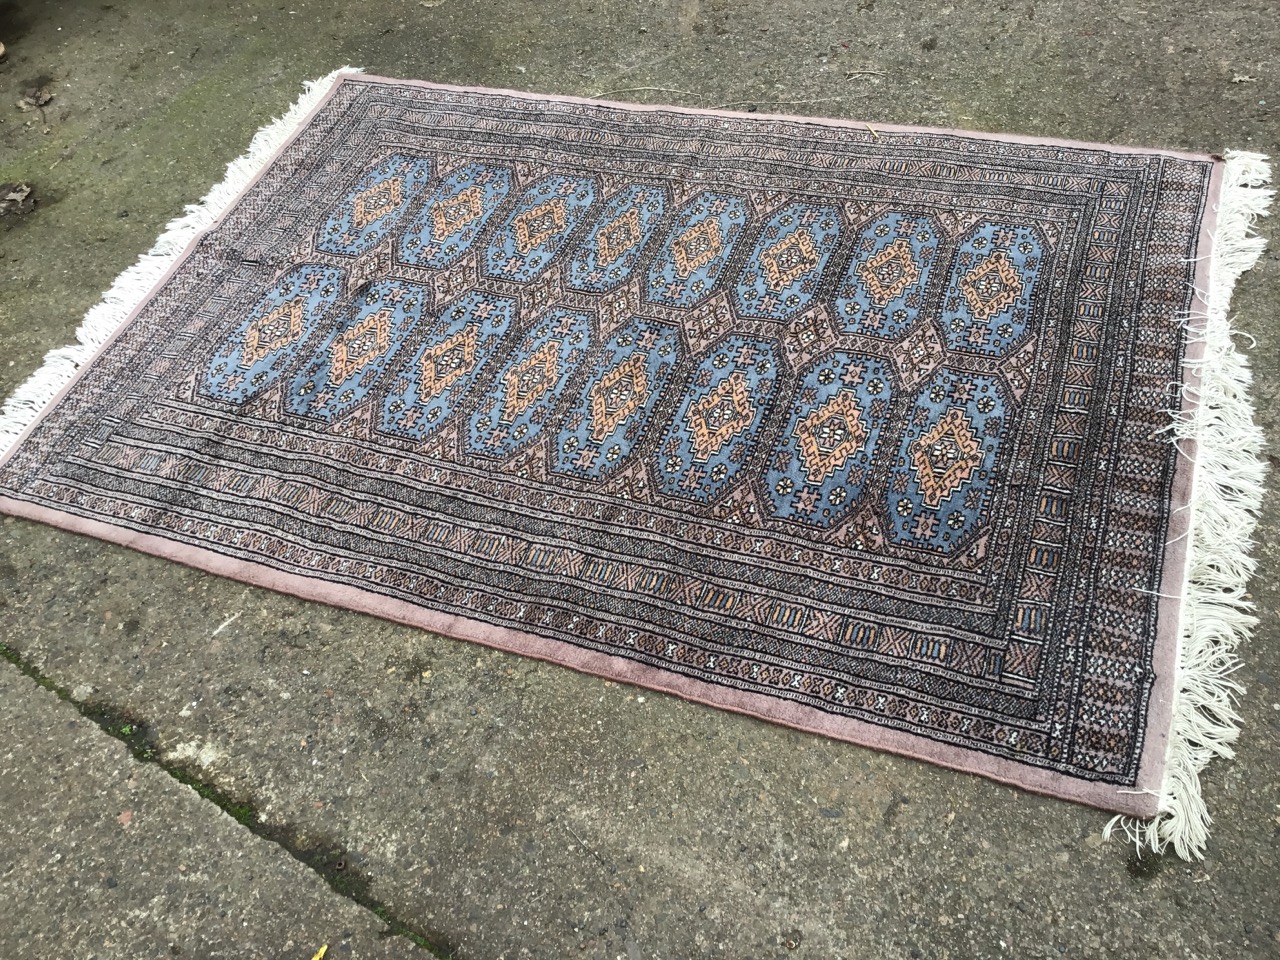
x: 927, y: 440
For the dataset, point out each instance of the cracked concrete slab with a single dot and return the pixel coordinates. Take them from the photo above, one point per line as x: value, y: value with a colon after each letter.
x: 105, y: 857
x: 512, y: 809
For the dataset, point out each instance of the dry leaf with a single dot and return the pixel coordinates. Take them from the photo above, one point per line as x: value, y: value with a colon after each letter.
x: 15, y: 192
x: 34, y: 98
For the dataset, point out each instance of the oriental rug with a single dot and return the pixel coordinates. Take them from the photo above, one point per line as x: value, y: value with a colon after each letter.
x: 927, y: 440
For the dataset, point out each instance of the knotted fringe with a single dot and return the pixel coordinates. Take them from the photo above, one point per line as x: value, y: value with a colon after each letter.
x: 133, y: 286
x: 1227, y: 493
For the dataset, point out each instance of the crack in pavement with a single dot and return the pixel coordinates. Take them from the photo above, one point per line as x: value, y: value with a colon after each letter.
x: 329, y: 859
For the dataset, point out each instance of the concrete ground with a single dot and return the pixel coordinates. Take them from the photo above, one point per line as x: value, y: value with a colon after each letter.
x: 479, y: 805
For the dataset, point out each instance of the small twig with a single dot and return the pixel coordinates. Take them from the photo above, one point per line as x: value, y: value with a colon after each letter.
x: 873, y: 130
x: 609, y: 868
x: 772, y: 103
x: 591, y: 850
x: 641, y: 64
x: 228, y: 622
x: 609, y: 93
x: 853, y: 74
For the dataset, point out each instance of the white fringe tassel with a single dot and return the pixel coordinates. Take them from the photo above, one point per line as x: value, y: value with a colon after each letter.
x: 134, y: 285
x: 1227, y: 493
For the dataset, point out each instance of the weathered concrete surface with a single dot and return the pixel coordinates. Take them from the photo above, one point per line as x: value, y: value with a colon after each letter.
x: 105, y: 857
x: 517, y: 810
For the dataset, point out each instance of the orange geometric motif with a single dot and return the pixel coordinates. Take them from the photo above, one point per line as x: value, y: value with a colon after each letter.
x: 992, y: 286
x: 617, y: 395
x: 377, y: 201
x: 697, y: 247
x: 279, y: 328
x: 830, y: 435
x: 890, y: 272
x: 450, y: 216
x: 719, y: 416
x: 946, y: 456
x: 447, y: 362
x: 617, y: 238
x: 360, y: 345
x: 528, y: 380
x: 537, y: 224
x: 787, y: 259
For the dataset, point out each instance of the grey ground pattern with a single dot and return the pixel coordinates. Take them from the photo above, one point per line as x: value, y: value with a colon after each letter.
x: 504, y: 807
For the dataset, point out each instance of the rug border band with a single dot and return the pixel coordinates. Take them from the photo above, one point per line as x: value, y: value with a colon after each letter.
x: 859, y: 125
x: 1218, y: 429
x: 764, y: 708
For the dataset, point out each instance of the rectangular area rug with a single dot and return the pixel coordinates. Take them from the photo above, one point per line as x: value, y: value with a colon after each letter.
x: 927, y: 440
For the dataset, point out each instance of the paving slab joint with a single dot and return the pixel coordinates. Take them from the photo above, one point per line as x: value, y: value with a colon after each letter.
x: 324, y: 856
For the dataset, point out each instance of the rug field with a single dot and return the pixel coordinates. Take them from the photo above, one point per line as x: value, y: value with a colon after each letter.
x: 927, y: 440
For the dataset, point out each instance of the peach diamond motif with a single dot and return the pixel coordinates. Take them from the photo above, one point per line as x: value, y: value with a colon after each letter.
x: 450, y: 216
x: 890, y: 272
x: 697, y: 247
x: 945, y: 457
x: 360, y: 345
x: 539, y: 224
x: 377, y: 202
x: 617, y: 395
x: 992, y: 286
x: 789, y: 258
x: 617, y: 238
x: 279, y: 328
x: 448, y: 362
x: 830, y: 435
x: 527, y: 381
x: 720, y: 415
